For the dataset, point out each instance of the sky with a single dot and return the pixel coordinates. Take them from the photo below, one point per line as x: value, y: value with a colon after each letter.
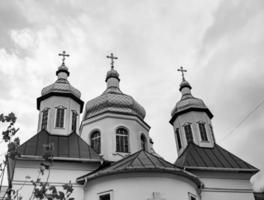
x: 219, y: 42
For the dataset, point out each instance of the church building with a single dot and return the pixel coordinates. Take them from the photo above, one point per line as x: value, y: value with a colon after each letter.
x: 108, y: 154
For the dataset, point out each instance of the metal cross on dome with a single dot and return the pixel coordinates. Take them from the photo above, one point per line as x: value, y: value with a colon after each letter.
x: 112, y: 57
x: 182, y: 72
x: 63, y: 54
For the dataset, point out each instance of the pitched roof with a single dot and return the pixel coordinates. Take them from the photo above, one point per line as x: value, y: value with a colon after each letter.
x: 216, y: 158
x: 140, y: 161
x: 70, y: 147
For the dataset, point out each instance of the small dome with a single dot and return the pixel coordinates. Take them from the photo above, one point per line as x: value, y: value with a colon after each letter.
x: 112, y: 74
x: 114, y: 100
x: 61, y: 85
x: 188, y: 102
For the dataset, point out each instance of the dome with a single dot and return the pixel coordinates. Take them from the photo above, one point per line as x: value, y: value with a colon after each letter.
x: 61, y: 85
x: 112, y: 74
x: 188, y: 102
x: 114, y: 100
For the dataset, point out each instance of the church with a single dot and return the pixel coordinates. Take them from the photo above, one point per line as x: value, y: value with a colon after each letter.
x: 108, y: 154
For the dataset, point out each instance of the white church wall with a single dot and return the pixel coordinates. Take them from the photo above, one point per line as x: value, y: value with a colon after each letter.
x: 52, y: 103
x: 194, y: 117
x: 141, y: 186
x: 226, y: 186
x: 60, y: 173
x: 107, y: 125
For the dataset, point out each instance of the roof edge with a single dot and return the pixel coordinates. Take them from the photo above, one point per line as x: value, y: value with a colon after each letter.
x: 173, y: 171
x: 176, y: 114
x: 61, y: 94
x: 221, y: 169
x: 38, y: 158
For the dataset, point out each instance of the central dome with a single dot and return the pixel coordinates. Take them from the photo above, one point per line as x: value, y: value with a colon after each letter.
x: 114, y: 100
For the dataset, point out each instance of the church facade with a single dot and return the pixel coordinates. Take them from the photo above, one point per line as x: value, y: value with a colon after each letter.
x: 108, y: 154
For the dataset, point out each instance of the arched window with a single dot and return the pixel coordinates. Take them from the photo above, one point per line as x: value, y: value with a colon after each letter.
x: 177, y: 132
x: 202, y: 131
x: 188, y: 132
x: 121, y: 140
x: 44, y: 122
x: 96, y: 141
x: 74, y: 120
x: 60, y: 112
x: 143, y: 142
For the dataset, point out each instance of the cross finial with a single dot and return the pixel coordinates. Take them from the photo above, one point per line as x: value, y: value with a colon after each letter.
x: 182, y: 72
x: 112, y: 57
x: 63, y: 54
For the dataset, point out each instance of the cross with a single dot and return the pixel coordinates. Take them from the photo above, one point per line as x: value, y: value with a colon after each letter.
x: 112, y: 59
x: 63, y: 54
x: 182, y: 71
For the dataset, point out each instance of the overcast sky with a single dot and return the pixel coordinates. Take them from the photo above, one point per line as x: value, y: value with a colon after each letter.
x: 220, y: 43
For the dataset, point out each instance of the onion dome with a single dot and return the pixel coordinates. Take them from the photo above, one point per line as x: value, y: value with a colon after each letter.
x: 114, y: 100
x: 188, y: 102
x: 61, y: 87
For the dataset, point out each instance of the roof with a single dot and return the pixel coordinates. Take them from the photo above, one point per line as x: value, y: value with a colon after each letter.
x: 216, y: 158
x: 141, y: 161
x: 70, y: 147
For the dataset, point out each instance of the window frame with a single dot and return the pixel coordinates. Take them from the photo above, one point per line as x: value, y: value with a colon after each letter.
x: 145, y: 148
x: 74, y: 113
x: 191, y: 132
x: 178, y: 138
x: 203, y: 134
x: 122, y: 140
x: 93, y: 139
x: 42, y: 118
x: 56, y: 117
x: 110, y: 192
x: 190, y: 195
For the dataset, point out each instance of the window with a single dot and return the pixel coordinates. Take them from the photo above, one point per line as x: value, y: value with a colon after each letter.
x: 191, y: 196
x: 108, y: 195
x: 188, y: 133
x: 44, y: 122
x: 122, y: 140
x: 74, y: 120
x: 212, y: 132
x: 60, y: 118
x: 178, y: 138
x: 143, y: 142
x: 96, y: 141
x: 202, y: 131
x: 105, y: 197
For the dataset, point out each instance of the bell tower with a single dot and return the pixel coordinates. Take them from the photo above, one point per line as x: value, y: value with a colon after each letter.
x: 191, y: 119
x: 60, y: 104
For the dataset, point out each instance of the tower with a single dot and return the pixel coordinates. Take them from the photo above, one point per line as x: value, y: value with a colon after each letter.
x: 191, y: 119
x: 113, y: 123
x: 60, y: 104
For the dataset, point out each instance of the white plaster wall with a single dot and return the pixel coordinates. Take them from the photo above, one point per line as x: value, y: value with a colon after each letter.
x: 61, y: 173
x: 140, y: 186
x: 52, y: 103
x: 107, y: 125
x: 193, y: 117
x: 226, y: 186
